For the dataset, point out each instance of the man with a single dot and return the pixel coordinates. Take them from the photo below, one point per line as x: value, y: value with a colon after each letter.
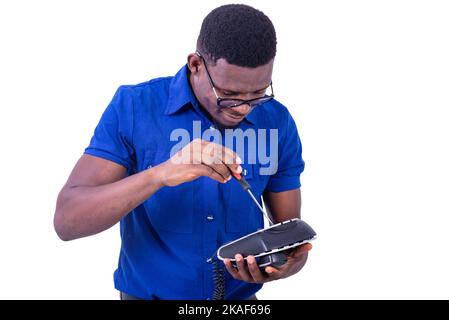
x: 177, y: 201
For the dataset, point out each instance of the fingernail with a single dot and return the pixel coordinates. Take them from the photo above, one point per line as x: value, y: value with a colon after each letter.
x: 229, y: 178
x: 238, y: 160
x: 239, y: 169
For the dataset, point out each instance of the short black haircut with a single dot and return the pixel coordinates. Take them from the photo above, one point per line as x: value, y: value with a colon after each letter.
x: 240, y: 34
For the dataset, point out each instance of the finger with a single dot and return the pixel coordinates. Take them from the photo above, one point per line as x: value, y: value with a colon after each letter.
x: 273, y: 273
x: 233, y: 271
x: 218, y: 154
x: 301, y: 250
x: 254, y: 270
x: 204, y: 170
x: 241, y: 266
x: 210, y: 152
x: 222, y: 170
x: 220, y: 158
x: 195, y: 148
x: 236, y: 169
x: 204, y: 152
x: 233, y: 163
x: 229, y: 158
x: 232, y: 156
x: 211, y: 158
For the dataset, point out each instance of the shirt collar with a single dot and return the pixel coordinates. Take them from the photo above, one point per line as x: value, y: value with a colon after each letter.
x: 181, y: 95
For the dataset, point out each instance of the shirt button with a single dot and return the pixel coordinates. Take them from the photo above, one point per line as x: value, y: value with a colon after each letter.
x: 210, y: 217
x: 212, y: 128
x: 245, y: 172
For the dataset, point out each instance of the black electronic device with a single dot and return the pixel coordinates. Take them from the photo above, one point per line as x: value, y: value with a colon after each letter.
x: 270, y: 245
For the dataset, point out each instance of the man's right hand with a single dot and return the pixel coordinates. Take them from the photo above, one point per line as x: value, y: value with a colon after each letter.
x: 200, y: 158
x: 98, y: 194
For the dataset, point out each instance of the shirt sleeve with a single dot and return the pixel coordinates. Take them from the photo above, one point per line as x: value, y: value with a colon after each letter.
x: 112, y: 139
x: 290, y: 162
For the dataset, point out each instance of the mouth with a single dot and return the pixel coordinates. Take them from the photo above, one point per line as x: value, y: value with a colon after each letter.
x: 234, y: 118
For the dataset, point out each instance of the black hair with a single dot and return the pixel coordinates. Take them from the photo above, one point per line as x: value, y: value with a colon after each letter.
x: 240, y: 34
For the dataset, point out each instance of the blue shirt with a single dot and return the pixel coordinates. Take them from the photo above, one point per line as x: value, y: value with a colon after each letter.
x: 167, y: 240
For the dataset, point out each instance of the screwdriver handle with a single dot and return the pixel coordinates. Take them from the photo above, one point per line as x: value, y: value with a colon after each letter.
x: 241, y: 180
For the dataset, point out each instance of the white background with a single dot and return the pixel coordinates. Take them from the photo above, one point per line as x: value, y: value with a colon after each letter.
x: 366, y: 81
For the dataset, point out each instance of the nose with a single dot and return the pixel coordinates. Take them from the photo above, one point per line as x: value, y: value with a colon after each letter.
x: 243, y: 109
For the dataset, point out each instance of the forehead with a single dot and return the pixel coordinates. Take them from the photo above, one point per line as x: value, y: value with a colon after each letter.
x: 240, y: 79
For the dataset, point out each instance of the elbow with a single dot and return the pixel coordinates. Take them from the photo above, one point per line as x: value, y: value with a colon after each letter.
x: 60, y: 221
x: 60, y: 227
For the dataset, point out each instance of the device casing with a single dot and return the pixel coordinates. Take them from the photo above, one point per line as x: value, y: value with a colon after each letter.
x: 268, y: 245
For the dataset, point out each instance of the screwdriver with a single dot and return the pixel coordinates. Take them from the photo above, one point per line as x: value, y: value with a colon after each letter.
x: 247, y: 187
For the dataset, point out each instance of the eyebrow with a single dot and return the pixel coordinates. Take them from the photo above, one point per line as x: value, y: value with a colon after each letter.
x: 232, y: 92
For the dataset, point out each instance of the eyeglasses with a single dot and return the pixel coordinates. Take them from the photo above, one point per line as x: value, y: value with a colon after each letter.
x: 231, y: 102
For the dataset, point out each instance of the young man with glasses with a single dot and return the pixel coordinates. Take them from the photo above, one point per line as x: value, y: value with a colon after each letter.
x: 175, y: 214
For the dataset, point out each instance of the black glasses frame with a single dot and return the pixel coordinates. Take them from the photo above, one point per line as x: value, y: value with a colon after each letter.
x: 251, y: 102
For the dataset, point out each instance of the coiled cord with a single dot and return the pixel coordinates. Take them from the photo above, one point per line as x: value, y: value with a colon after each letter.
x: 219, y: 280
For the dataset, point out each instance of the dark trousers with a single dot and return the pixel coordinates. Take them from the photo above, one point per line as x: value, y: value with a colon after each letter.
x: 125, y: 296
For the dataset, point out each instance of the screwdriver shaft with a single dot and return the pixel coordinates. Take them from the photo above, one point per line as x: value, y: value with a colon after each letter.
x: 259, y: 206
x: 246, y: 186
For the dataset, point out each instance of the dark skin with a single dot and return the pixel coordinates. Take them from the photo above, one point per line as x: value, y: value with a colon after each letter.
x: 230, y: 81
x: 233, y: 81
x: 98, y: 194
x: 282, y: 206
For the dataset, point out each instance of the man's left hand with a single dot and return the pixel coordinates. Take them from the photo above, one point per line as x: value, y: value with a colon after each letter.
x: 249, y: 271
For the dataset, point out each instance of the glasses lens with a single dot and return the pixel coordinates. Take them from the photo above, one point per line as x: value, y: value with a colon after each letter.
x: 260, y: 101
x: 225, y: 103
x: 230, y: 103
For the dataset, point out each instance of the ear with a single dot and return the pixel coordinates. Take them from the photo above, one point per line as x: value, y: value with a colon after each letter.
x: 194, y: 63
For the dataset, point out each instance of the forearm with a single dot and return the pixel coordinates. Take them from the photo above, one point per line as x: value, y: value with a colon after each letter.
x: 86, y: 210
x: 283, y: 206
